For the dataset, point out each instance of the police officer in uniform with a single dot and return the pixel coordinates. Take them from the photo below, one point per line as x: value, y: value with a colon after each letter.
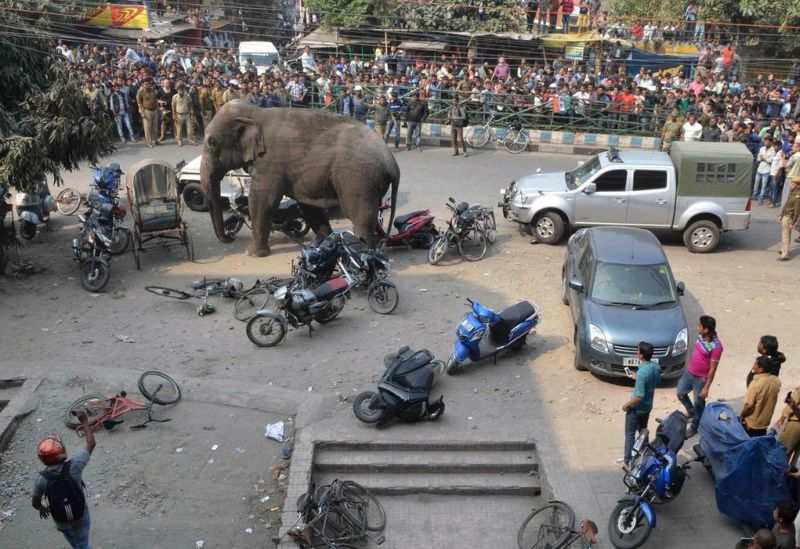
x: 147, y: 101
x: 183, y: 113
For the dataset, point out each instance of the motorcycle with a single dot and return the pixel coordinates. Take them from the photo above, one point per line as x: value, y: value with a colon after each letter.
x: 463, y: 231
x: 483, y: 333
x: 654, y: 476
x: 298, y: 306
x: 414, y: 230
x: 288, y: 218
x: 33, y: 209
x: 403, y: 390
x: 91, y: 251
x: 370, y: 269
x: 109, y: 217
x: 8, y: 232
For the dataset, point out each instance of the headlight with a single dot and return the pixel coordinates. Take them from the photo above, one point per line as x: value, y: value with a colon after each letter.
x: 598, y: 339
x: 681, y: 342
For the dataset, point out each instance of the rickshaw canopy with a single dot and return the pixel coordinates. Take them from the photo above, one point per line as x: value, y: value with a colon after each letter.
x: 151, y: 178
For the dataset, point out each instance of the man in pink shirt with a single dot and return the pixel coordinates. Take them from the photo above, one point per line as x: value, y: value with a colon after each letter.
x: 699, y: 375
x: 697, y: 86
x: 502, y: 70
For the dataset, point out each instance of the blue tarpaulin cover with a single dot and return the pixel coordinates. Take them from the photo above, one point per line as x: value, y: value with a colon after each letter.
x: 748, y: 472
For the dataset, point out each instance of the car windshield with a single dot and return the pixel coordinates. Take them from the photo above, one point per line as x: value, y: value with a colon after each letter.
x: 633, y: 285
x: 579, y: 175
x: 259, y: 59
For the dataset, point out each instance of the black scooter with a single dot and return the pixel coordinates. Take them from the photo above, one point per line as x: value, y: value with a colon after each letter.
x: 288, y: 219
x: 403, y: 390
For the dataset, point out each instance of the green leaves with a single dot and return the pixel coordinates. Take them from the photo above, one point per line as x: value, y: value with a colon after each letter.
x: 44, y: 122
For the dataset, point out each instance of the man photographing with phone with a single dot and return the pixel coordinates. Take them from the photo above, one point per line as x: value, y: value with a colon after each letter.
x: 637, y: 409
x: 62, y: 485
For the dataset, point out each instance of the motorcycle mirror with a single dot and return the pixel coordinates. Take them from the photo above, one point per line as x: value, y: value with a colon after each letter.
x: 452, y: 200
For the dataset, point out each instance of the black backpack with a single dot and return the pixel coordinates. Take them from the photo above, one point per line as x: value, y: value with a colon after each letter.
x: 65, y: 497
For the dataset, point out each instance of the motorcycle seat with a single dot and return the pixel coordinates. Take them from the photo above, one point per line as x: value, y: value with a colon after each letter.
x: 401, y: 220
x: 509, y: 318
x: 353, y: 243
x: 412, y: 372
x: 330, y: 288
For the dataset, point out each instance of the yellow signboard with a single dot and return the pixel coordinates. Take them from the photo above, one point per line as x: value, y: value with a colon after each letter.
x: 119, y: 15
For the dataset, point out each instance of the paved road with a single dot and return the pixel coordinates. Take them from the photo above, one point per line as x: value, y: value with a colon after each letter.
x: 574, y: 416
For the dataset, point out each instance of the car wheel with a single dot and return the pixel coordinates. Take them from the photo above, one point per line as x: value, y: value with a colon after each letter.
x: 194, y: 197
x: 702, y: 237
x: 578, y: 361
x: 548, y: 228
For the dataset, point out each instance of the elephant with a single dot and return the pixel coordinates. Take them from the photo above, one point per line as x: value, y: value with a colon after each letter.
x: 320, y: 159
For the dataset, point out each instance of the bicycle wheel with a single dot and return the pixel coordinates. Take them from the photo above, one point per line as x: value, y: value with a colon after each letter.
x: 168, y: 390
x: 516, y: 141
x: 383, y: 297
x: 68, y: 201
x: 251, y: 301
x: 80, y: 405
x: 547, y: 527
x: 168, y: 292
x: 472, y: 244
x: 439, y: 249
x: 374, y: 515
x: 489, y: 226
x: 478, y: 136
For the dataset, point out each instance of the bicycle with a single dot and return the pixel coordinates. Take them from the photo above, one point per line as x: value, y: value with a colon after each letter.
x: 68, y: 201
x: 104, y: 412
x: 515, y: 140
x: 485, y: 218
x: 463, y: 231
x: 553, y: 527
x: 336, y: 514
x: 202, y: 289
x: 257, y: 297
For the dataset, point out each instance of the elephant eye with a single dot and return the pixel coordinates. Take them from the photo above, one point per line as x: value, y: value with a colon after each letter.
x: 212, y: 143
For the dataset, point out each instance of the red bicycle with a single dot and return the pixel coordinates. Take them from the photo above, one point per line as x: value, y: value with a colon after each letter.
x: 105, y: 412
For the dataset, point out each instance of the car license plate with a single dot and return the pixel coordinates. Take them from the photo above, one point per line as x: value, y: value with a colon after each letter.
x: 632, y: 361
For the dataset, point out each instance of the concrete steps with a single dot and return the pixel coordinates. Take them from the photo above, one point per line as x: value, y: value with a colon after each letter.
x: 502, y: 468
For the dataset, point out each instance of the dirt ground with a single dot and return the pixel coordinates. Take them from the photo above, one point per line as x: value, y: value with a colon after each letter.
x: 50, y: 325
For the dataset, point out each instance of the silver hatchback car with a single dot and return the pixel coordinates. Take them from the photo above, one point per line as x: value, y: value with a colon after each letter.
x: 620, y: 290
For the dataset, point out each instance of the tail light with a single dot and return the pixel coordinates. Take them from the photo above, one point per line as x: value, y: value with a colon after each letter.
x: 118, y: 212
x: 749, y: 205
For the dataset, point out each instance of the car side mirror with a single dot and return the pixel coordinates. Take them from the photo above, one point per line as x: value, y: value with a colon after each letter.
x: 681, y: 288
x: 576, y: 285
x: 590, y: 188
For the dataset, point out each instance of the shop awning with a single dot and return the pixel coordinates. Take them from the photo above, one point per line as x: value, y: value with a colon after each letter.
x: 321, y: 38
x: 422, y: 45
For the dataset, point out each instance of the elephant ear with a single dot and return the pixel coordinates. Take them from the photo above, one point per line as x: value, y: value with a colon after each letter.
x: 251, y: 140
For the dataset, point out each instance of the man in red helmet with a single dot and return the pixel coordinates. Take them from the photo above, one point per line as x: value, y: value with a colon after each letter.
x: 61, y: 479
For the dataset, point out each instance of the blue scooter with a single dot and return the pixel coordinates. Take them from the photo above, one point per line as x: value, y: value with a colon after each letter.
x: 484, y: 333
x: 654, y: 476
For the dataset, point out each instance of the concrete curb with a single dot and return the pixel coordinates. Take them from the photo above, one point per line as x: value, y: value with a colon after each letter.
x: 21, y: 404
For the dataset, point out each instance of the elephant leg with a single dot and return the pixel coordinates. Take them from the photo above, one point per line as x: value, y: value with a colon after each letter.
x: 263, y: 205
x: 317, y: 219
x: 364, y: 218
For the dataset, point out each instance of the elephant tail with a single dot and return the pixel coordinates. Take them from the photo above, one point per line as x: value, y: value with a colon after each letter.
x: 394, y: 177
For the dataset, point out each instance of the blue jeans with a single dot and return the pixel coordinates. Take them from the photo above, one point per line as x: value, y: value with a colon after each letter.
x: 777, y: 189
x: 691, y: 383
x: 392, y: 124
x: 78, y: 537
x: 635, y: 421
x: 414, y: 128
x: 760, y: 187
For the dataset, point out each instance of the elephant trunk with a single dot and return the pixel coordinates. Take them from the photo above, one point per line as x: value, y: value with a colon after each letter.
x: 210, y: 178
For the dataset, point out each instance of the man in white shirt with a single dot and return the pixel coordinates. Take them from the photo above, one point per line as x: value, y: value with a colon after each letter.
x: 307, y: 59
x: 691, y: 129
x: 765, y: 155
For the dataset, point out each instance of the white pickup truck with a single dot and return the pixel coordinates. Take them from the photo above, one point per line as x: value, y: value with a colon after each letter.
x: 698, y: 189
x: 192, y: 193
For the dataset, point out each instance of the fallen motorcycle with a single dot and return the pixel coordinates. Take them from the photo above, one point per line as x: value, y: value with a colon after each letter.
x: 464, y: 231
x: 414, y: 230
x: 370, y: 269
x: 297, y: 306
x: 403, y: 390
x: 484, y: 333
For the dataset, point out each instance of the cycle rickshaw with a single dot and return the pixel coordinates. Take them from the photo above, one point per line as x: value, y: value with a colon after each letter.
x: 152, y: 187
